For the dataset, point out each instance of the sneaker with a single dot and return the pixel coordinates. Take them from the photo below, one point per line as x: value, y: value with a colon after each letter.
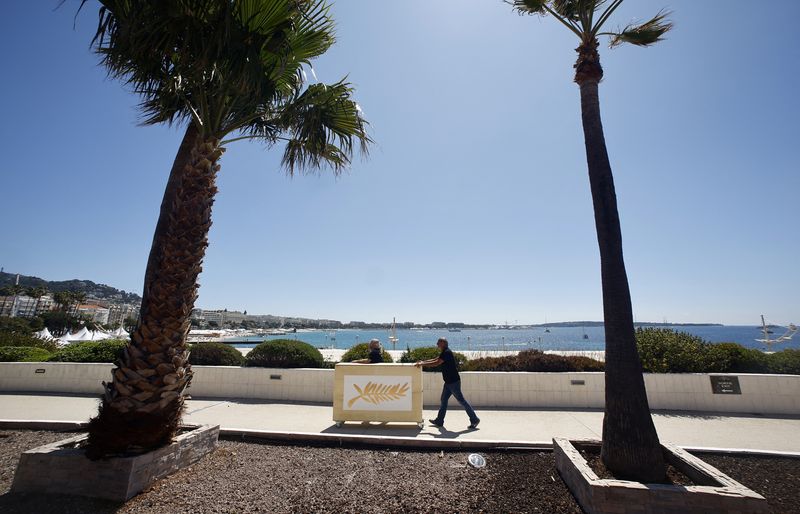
x: 436, y: 422
x: 474, y: 424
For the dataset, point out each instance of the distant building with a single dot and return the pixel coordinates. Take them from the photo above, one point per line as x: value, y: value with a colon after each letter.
x: 96, y: 313
x: 119, y: 312
x: 25, y: 306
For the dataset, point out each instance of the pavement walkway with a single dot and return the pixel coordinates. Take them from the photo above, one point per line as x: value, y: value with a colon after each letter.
x: 686, y: 429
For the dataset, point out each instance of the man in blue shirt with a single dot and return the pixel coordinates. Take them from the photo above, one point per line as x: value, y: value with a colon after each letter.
x: 452, y: 384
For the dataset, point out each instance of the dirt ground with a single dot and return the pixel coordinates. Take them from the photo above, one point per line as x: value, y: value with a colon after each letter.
x: 248, y: 476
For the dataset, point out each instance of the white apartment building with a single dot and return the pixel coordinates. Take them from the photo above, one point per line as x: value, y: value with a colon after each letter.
x: 118, y: 312
x: 96, y: 313
x: 25, y: 306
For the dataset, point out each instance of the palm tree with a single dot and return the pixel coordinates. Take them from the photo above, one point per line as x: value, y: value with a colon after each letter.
x: 63, y: 299
x: 630, y: 444
x: 78, y: 297
x: 15, y: 290
x: 37, y: 293
x: 224, y: 68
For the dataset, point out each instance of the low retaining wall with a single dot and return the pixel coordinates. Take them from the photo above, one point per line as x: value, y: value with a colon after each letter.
x: 763, y: 394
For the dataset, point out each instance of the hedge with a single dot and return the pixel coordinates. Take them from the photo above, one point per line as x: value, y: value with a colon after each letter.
x: 109, y: 350
x: 19, y: 339
x: 786, y: 361
x: 361, y: 351
x: 23, y: 354
x: 215, y: 354
x: 430, y: 352
x: 534, y: 360
x: 284, y: 353
x: 663, y: 350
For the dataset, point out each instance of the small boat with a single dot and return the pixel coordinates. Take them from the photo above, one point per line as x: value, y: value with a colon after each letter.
x: 454, y: 330
x: 393, y: 337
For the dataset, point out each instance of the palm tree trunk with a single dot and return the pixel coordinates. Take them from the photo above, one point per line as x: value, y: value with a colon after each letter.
x: 631, y: 448
x: 142, y: 406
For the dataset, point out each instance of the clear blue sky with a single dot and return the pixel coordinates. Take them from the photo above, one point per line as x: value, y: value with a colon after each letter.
x: 474, y: 204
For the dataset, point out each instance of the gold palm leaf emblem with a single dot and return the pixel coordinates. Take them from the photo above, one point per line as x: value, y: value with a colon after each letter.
x: 379, y: 393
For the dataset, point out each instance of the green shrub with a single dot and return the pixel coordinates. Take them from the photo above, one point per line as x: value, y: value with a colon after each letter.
x: 430, y: 352
x: 109, y: 350
x: 581, y: 363
x: 667, y: 351
x: 284, y: 353
x: 534, y: 360
x: 19, y: 332
x: 786, y: 361
x: 735, y: 358
x: 504, y: 363
x: 215, y: 354
x: 23, y: 354
x: 26, y: 340
x: 662, y: 350
x: 361, y: 351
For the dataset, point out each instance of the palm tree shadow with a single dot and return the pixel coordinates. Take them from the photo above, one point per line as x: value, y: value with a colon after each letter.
x: 25, y: 503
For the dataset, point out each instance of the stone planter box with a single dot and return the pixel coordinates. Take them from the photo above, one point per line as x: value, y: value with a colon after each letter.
x: 63, y: 468
x: 718, y: 493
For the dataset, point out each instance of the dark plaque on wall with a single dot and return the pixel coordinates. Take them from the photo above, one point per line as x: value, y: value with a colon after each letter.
x: 725, y: 385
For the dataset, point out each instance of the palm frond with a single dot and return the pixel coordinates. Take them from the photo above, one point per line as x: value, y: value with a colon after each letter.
x: 234, y: 66
x: 324, y: 123
x: 529, y: 6
x: 644, y: 34
x: 570, y: 9
x: 308, y: 155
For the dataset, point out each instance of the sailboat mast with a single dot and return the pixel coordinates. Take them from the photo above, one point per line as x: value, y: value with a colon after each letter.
x: 393, y: 337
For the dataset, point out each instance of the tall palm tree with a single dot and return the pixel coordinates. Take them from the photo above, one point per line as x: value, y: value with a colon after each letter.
x: 77, y: 297
x: 630, y: 444
x: 226, y: 69
x: 36, y: 292
x: 63, y: 299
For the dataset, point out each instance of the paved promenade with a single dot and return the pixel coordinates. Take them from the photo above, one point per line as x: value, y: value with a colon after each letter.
x: 528, y: 426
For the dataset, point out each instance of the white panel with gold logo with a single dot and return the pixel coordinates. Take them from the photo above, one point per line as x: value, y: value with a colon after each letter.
x: 377, y: 392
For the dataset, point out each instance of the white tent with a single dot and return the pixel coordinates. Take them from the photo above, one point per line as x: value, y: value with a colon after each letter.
x: 66, y: 339
x: 120, y: 333
x: 44, y: 334
x: 99, y: 335
x: 83, y: 335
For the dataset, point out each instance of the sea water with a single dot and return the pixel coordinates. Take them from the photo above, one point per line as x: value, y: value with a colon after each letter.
x: 557, y: 338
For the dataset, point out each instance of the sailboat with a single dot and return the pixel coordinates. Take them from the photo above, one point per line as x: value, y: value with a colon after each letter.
x: 790, y: 331
x: 393, y: 337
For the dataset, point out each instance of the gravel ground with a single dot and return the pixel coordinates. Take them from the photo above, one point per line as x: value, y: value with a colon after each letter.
x: 253, y: 477
x: 776, y: 479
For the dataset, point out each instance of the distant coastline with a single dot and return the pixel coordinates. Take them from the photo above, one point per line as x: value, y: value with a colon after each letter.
x: 636, y: 324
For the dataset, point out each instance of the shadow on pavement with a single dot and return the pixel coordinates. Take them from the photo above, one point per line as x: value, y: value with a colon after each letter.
x: 375, y: 428
x: 444, y: 433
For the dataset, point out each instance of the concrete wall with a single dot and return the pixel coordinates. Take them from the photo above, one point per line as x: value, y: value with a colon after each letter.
x: 764, y: 394
x: 54, y: 377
